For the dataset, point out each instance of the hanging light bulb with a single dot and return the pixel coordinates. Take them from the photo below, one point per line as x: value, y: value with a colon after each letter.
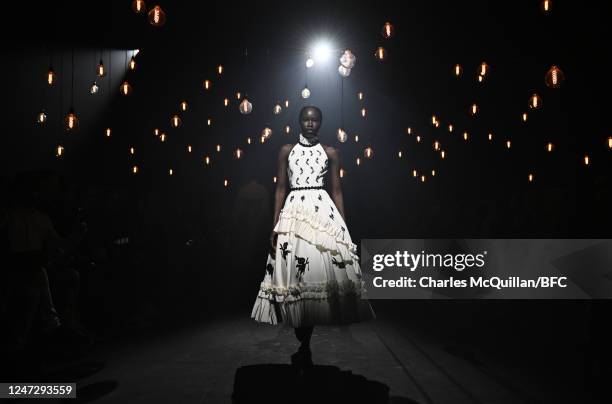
x: 490, y: 136
x: 156, y: 132
x: 133, y: 63
x: 363, y: 112
x: 434, y: 119
x: 238, y: 154
x: 415, y: 173
x: 94, y: 88
x: 423, y: 178
x: 132, y: 151
x: 274, y: 179
x: 50, y: 77
x: 134, y: 169
x: 360, y: 96
x: 418, y: 138
x: 41, y: 118
x: 286, y: 103
x: 530, y: 177
x: 442, y: 154
x: 524, y: 117
x: 245, y: 107
x: 409, y: 130
x: 586, y: 160
x: 356, y: 138
x: 100, y: 70
x: 508, y: 144
x: 344, y: 71
x: 480, y: 78
x: 220, y: 69
x: 266, y: 133
x: 207, y: 160
x: 436, y: 145
x: 287, y: 129
x: 610, y: 142
x: 535, y: 102
x: 348, y: 60
x: 248, y: 140
x: 399, y: 154
x: 207, y: 84
x: 549, y: 147
x: 342, y: 173
x: 189, y: 148
x: 238, y: 95
x: 305, y: 93
x: 157, y: 16
x: 437, y: 124
x: 358, y: 161
x: 546, y: 6
x: 433, y: 173
x: 458, y: 70
x: 218, y: 148
x: 139, y: 6
x: 108, y: 132
x: 309, y: 62
x: 183, y: 105
x: 209, y: 121
x: 59, y: 150
x: 277, y: 109
x: 226, y: 183
x: 368, y: 152
x: 388, y: 30
x: 175, y: 121
x: 162, y: 137
x: 474, y: 109
x: 450, y: 128
x: 465, y: 136
x: 170, y: 172
x: 71, y: 122
x: 341, y: 135
x: 126, y: 88
x: 554, y: 77
x: 483, y: 69
x: 380, y: 53
x: 225, y: 102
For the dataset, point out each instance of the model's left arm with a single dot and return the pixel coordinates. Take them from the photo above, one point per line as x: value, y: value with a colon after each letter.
x: 334, y: 173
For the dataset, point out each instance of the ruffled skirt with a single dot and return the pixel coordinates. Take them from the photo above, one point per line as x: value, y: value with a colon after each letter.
x: 314, y: 277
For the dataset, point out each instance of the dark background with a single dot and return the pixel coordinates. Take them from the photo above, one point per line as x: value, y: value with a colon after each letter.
x: 196, y: 249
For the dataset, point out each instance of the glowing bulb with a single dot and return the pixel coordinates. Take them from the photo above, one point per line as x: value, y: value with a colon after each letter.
x: 554, y: 77
x: 423, y: 178
x: 586, y: 160
x: 277, y: 109
x: 238, y: 95
x: 305, y: 93
x: 207, y: 84
x: 610, y: 142
x: 225, y: 183
x: 546, y: 6
x: 341, y: 135
x: 358, y: 161
x: 170, y: 172
x: 535, y: 102
x: 399, y: 154
x: 380, y: 53
x: 266, y: 133
x: 363, y: 112
x: 442, y: 154
x: 286, y: 103
x: 133, y: 63
x: 94, y: 88
x: 549, y: 147
x: 436, y: 145
x: 342, y: 173
x: 434, y: 119
x: 309, y: 62
x: 50, y: 77
x: 59, y: 150
x: 135, y: 170
x: 274, y: 179
x: 162, y: 137
x: 433, y: 173
x: 41, y: 117
x: 388, y: 30
x: 418, y: 138
x: 218, y: 148
x: 139, y: 6
x: 183, y: 105
x: 245, y: 106
x: 189, y: 148
x: 474, y: 109
x: 321, y: 51
x: 450, y: 128
x: 415, y: 173
x: 206, y: 160
x: 126, y: 88
x: 524, y: 117
x: 458, y: 70
x: 100, y: 70
x: 132, y: 151
x: 156, y: 132
x: 368, y: 152
x: 465, y: 136
x: 225, y: 102
x: 530, y: 177
x: 508, y: 144
x: 490, y: 136
x: 248, y: 140
x: 157, y: 16
x: 483, y: 69
x: 220, y: 69
x: 209, y: 121
x: 238, y: 153
x: 108, y: 132
x: 175, y: 121
x: 287, y: 129
x: 71, y: 122
x: 360, y: 96
x: 480, y: 78
x: 409, y: 130
x: 356, y: 138
x: 343, y: 71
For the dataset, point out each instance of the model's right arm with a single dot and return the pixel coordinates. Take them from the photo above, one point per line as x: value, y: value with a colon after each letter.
x: 281, y: 188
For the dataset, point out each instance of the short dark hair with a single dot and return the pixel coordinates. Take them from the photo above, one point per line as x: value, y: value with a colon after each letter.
x: 311, y: 107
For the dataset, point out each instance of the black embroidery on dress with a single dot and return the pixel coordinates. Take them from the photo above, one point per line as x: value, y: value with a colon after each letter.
x: 296, y: 161
x: 270, y: 269
x: 301, y: 170
x: 311, y: 152
x: 325, y: 162
x: 319, y: 151
x: 291, y: 199
x: 307, y: 178
x: 316, y: 208
x: 342, y: 227
x: 302, y: 198
x: 339, y: 264
x: 303, y: 152
x: 311, y: 170
x: 297, y: 181
x: 285, y: 249
x: 307, y: 161
x: 331, y: 215
x: 301, y: 265
x: 292, y: 151
x: 317, y: 160
x: 332, y: 208
x: 320, y: 197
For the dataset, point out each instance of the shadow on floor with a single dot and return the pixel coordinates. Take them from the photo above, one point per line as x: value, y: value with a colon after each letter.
x: 275, y: 383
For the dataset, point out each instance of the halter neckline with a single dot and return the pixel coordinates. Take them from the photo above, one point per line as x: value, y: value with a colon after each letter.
x: 304, y: 141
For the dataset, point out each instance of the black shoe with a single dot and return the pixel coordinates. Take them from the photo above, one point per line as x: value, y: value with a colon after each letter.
x: 302, y: 358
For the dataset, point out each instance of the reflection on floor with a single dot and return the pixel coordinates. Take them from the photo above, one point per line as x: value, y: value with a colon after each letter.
x: 377, y: 362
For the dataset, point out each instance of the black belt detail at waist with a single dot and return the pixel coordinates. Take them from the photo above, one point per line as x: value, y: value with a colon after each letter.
x: 305, y: 188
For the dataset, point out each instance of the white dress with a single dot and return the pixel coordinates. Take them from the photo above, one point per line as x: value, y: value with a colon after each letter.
x: 315, y: 277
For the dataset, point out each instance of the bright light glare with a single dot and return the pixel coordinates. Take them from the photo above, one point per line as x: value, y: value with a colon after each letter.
x: 322, y: 51
x: 136, y: 51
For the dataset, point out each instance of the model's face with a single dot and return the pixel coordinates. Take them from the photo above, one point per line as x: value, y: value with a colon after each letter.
x: 310, y: 121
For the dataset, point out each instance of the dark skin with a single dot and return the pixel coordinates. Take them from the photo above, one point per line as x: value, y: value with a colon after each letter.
x: 310, y: 123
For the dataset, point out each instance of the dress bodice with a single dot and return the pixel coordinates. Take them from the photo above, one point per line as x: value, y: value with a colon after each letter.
x: 307, y: 164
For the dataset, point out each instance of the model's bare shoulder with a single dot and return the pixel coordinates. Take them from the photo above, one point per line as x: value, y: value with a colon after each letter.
x: 285, y: 149
x: 332, y: 152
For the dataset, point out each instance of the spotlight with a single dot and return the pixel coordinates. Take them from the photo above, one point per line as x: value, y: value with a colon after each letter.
x: 321, y: 51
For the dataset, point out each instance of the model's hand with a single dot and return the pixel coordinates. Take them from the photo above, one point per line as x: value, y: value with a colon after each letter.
x: 273, y: 238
